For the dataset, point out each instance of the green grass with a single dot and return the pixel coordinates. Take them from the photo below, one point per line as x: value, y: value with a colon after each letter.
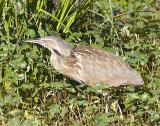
x: 33, y: 93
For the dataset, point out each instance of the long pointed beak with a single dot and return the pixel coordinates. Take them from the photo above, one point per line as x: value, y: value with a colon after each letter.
x: 38, y: 41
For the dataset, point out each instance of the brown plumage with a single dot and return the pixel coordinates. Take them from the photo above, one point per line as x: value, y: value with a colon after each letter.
x: 89, y: 65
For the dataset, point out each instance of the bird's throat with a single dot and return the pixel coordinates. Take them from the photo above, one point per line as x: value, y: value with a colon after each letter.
x: 56, y: 61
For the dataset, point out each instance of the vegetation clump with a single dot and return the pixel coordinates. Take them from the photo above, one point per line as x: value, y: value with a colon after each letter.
x: 33, y: 93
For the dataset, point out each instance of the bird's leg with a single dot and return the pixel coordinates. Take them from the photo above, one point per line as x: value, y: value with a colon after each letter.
x: 105, y: 95
x: 120, y: 110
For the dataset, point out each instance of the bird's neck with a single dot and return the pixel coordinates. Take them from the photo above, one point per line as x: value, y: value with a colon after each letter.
x: 57, y: 61
x: 65, y: 52
x: 58, y: 56
x: 63, y: 48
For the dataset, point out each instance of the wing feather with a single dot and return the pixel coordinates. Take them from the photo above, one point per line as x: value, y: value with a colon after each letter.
x: 95, y: 66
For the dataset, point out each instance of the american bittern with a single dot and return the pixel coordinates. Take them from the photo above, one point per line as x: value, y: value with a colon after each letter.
x: 88, y: 65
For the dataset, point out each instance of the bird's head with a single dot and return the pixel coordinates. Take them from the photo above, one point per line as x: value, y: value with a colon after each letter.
x: 54, y: 44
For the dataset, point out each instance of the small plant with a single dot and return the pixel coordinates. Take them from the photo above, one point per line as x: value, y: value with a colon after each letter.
x: 33, y: 93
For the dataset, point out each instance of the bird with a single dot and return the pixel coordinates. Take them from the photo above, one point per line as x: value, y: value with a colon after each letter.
x: 88, y: 65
